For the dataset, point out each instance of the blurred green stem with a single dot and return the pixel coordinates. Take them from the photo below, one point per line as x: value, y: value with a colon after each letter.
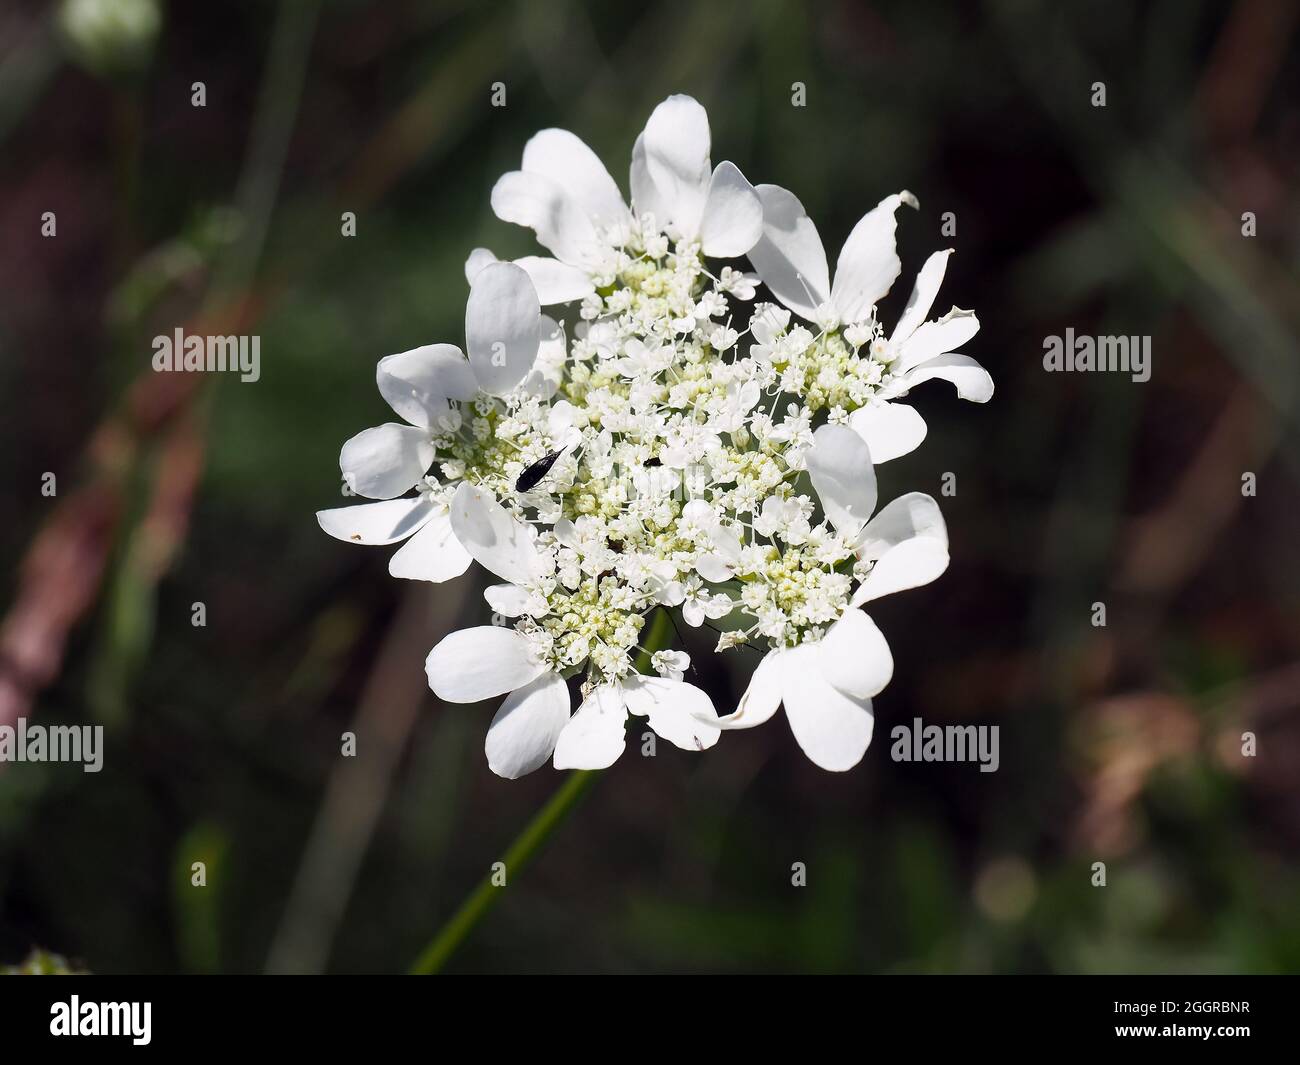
x: 534, y: 835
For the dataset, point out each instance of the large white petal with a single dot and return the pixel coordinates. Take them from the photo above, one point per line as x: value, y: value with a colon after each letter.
x: 854, y: 656
x: 763, y: 696
x: 477, y: 259
x: 432, y: 554
x: 502, y: 327
x: 556, y: 282
x: 970, y: 379
x: 596, y: 734
x: 547, y: 372
x: 543, y: 205
x: 868, y: 262
x: 418, y: 383
x: 789, y: 256
x: 499, y: 542
x: 566, y: 160
x: 932, y: 339
x: 921, y: 300
x: 905, y: 518
x: 834, y: 729
x: 908, y: 565
x: 377, y: 523
x: 733, y: 214
x: 677, y: 711
x: 470, y: 665
x: 507, y: 599
x: 909, y: 541
x: 889, y: 429
x: 839, y: 463
x: 677, y: 159
x: 646, y: 198
x: 714, y: 568
x: 523, y: 733
x: 385, y: 461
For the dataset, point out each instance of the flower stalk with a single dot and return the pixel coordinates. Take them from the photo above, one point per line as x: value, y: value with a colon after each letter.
x: 533, y: 837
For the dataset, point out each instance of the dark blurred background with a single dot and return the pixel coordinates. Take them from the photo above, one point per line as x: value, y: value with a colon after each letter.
x: 1119, y: 744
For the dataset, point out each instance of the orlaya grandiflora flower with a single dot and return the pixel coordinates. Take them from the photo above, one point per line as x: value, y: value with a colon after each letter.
x: 504, y: 331
x: 792, y: 262
x: 827, y: 685
x: 534, y: 723
x: 563, y: 192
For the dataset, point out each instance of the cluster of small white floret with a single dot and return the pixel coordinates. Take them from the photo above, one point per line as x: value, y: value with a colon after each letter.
x: 668, y: 442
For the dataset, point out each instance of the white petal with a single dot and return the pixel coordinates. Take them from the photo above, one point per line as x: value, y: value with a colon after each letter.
x: 932, y: 339
x: 677, y: 160
x: 377, y: 523
x: 566, y: 160
x: 921, y: 300
x: 499, y: 542
x: 385, y: 461
x: 839, y: 464
x: 714, y: 568
x: 677, y: 711
x: 971, y: 380
x: 909, y: 541
x: 868, y: 261
x: 908, y: 565
x: 854, y: 656
x: 470, y: 665
x: 507, y: 599
x: 726, y: 541
x: 672, y: 594
x: 547, y: 372
x: 693, y: 613
x: 905, y: 518
x: 833, y: 729
x: 556, y: 282
x: 890, y: 429
x: 478, y: 258
x: 789, y: 257
x: 432, y: 554
x: 762, y: 697
x: 645, y: 195
x: 418, y: 383
x: 523, y: 733
x: 567, y: 533
x: 596, y: 734
x: 541, y: 204
x: 502, y: 327
x: 733, y: 214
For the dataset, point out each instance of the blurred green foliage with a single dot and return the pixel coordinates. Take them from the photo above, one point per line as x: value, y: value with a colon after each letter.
x: 1117, y: 743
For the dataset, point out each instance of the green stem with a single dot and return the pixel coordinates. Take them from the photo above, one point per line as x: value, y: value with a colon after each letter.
x: 531, y: 839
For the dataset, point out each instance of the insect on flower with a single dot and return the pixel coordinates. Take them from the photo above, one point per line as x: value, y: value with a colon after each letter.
x: 532, y: 476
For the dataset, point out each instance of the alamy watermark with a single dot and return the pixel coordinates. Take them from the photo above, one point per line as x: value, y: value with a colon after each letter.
x: 208, y: 354
x: 53, y: 743
x: 1102, y: 354
x: 77, y: 1018
x: 919, y: 742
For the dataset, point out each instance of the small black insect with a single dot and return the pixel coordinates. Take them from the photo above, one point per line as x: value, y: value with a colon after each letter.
x: 529, y: 479
x: 655, y: 461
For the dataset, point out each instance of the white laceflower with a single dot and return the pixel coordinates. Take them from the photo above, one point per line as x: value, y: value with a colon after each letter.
x: 826, y: 676
x: 530, y: 663
x: 792, y: 262
x: 455, y: 415
x: 680, y: 448
x: 563, y: 193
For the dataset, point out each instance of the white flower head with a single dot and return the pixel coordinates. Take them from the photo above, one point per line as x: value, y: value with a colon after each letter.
x: 677, y: 447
